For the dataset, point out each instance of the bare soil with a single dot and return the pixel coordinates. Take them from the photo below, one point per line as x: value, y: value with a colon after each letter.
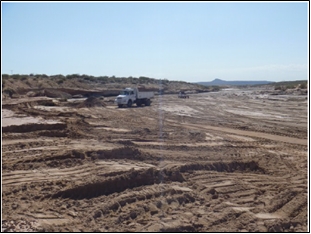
x: 229, y: 161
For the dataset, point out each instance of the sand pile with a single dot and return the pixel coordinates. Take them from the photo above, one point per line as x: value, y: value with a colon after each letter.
x: 53, y: 93
x: 92, y: 102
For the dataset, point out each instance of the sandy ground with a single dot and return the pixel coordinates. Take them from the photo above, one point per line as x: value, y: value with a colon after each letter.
x: 229, y: 161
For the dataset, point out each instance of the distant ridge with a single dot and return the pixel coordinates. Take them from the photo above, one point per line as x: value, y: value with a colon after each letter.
x: 220, y: 82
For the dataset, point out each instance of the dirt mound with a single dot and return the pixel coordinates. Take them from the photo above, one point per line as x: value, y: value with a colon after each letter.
x: 126, y: 152
x: 92, y: 102
x: 35, y: 93
x: 34, y: 127
x: 53, y: 93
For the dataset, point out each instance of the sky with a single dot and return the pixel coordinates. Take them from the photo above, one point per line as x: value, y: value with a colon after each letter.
x: 182, y: 41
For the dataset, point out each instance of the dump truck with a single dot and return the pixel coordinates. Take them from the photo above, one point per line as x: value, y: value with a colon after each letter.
x: 129, y: 96
x: 182, y: 95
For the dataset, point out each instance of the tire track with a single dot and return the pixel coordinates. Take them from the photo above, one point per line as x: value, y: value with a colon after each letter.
x: 244, y: 133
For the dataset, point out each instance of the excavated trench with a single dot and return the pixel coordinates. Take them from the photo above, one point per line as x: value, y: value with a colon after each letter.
x: 34, y: 127
x: 119, y: 184
x: 135, y: 178
x: 126, y: 152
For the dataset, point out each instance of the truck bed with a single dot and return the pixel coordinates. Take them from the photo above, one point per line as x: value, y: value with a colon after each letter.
x: 142, y: 95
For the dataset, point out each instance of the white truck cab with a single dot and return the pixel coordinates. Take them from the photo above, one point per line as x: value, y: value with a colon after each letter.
x: 128, y: 96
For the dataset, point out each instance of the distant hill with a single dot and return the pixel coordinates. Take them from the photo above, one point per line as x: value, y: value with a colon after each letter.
x: 85, y: 85
x: 219, y: 82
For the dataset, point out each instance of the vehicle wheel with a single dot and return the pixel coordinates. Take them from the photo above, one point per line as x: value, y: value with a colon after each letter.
x: 147, y: 102
x: 120, y: 105
x: 138, y: 103
x: 129, y: 104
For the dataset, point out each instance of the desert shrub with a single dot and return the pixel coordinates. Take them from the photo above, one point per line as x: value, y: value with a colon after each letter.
x: 5, y: 76
x: 15, y: 76
x: 73, y: 76
x: 9, y: 92
x: 165, y: 81
x: 59, y: 76
x: 23, y: 78
x: 280, y: 87
x: 215, y: 88
x: 90, y: 78
x: 143, y: 80
x: 285, y: 87
x: 60, y: 81
x: 303, y: 85
x: 103, y: 79
x: 124, y: 80
x: 117, y: 80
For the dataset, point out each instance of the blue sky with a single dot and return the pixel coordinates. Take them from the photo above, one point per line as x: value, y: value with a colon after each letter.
x: 186, y: 41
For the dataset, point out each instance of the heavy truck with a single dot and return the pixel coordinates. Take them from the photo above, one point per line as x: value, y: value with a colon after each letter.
x: 182, y: 95
x: 129, y: 96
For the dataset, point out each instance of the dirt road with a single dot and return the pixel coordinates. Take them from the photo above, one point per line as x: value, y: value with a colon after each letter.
x: 229, y: 161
